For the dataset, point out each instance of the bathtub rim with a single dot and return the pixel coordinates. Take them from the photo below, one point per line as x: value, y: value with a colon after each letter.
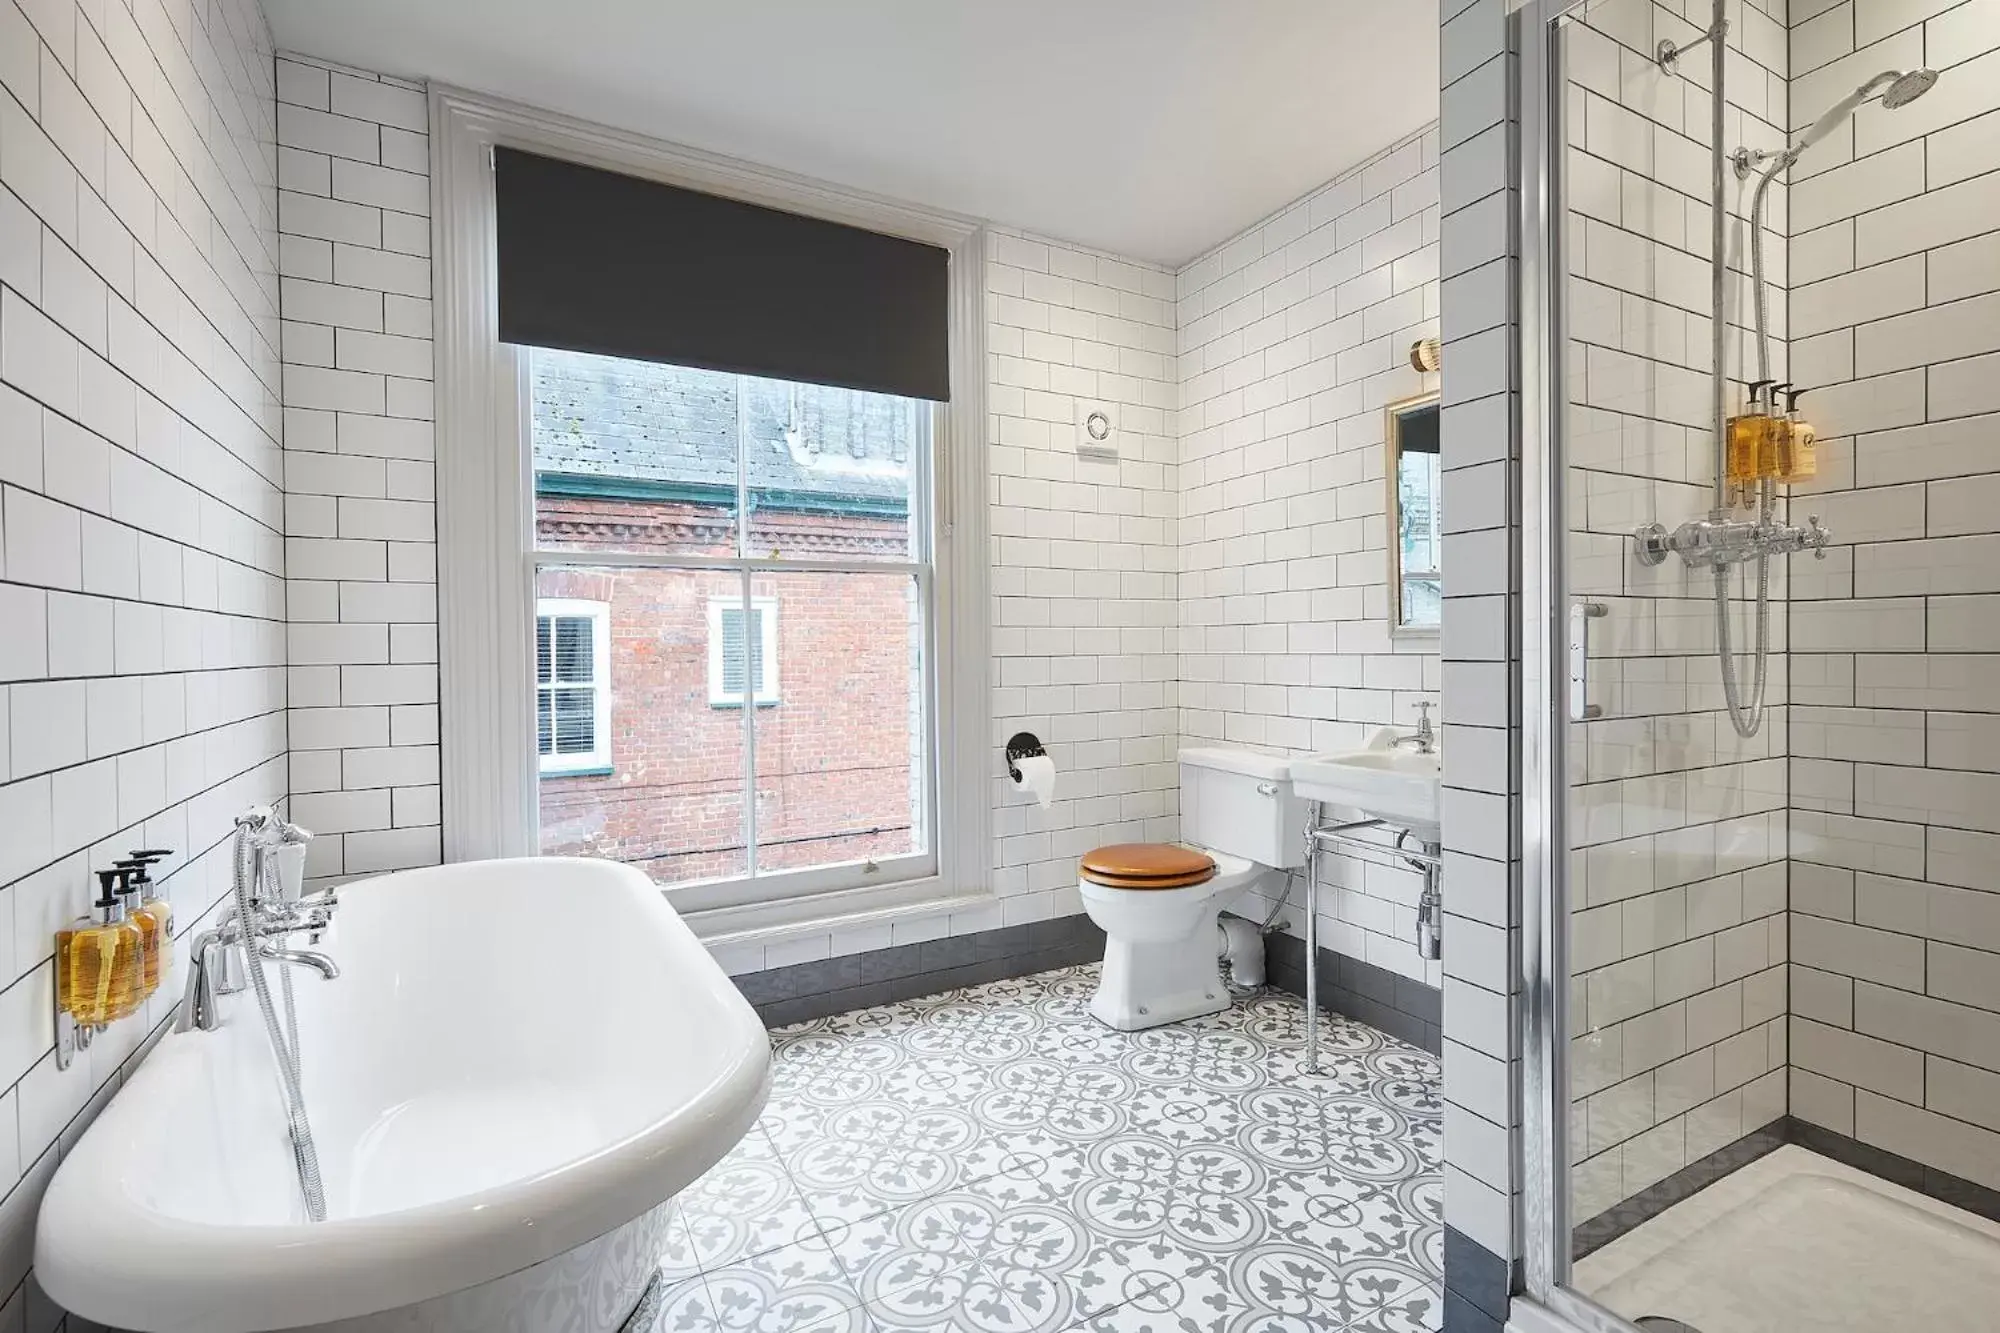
x: 234, y: 1278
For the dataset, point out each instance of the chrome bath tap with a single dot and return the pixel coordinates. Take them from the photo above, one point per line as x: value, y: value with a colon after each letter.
x: 276, y: 851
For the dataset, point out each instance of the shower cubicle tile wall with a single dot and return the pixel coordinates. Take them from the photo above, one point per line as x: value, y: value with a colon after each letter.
x: 1895, y: 729
x: 1293, y: 337
x: 1678, y: 877
x: 142, y: 683
x: 354, y: 248
x: 1480, y: 652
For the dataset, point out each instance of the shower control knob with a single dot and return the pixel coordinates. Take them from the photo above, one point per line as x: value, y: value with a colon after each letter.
x: 1816, y: 536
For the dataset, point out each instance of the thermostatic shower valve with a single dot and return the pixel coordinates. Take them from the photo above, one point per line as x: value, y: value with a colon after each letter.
x: 1711, y: 543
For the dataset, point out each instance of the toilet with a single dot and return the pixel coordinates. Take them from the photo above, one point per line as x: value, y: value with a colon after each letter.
x: 1159, y: 903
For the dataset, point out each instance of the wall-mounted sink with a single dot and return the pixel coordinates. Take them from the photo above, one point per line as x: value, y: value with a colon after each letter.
x: 1395, y: 784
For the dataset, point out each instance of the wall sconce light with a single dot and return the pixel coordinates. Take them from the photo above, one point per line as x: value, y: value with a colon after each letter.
x: 1427, y: 354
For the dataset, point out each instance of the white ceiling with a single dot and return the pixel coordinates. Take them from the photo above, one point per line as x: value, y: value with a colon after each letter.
x: 1150, y: 128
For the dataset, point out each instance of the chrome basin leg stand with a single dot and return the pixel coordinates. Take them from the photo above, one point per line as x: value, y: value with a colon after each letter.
x: 1312, y: 939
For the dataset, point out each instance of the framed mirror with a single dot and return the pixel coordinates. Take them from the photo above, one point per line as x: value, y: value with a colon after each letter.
x: 1415, y: 538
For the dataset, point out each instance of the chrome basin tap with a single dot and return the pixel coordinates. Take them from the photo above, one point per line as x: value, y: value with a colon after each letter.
x: 1423, y: 740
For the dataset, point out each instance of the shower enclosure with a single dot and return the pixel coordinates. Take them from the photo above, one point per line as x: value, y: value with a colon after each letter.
x: 1761, y: 744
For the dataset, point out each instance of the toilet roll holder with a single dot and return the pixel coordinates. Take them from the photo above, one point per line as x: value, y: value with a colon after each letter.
x: 1022, y: 745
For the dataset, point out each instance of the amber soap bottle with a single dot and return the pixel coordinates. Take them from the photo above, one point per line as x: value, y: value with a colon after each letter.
x: 1747, y: 434
x: 151, y: 913
x: 101, y: 966
x: 1799, y: 459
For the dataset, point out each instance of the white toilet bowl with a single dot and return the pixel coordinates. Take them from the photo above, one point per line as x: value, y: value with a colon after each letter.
x: 1162, y: 947
x: 1158, y: 902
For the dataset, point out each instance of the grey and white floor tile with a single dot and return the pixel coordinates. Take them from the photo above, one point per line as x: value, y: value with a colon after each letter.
x: 993, y: 1160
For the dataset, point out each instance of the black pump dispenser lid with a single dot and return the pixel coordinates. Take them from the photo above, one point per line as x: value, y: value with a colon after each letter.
x: 1757, y: 388
x: 109, y: 905
x: 134, y: 868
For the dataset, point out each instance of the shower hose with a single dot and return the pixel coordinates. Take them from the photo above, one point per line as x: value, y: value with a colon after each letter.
x: 1747, y: 715
x: 305, y: 1156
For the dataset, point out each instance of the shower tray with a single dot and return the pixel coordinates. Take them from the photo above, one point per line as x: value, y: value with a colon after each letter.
x: 1798, y: 1241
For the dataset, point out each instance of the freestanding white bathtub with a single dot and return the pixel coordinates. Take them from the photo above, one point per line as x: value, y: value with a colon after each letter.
x: 520, y: 1063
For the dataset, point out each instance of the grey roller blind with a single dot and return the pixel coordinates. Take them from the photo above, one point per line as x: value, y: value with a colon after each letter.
x: 595, y: 261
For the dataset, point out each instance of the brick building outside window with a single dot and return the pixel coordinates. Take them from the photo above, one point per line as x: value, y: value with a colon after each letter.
x: 635, y: 457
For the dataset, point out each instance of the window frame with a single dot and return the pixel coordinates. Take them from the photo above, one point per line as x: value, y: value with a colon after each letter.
x: 766, y: 611
x: 598, y: 758
x: 1401, y: 575
x: 487, y: 559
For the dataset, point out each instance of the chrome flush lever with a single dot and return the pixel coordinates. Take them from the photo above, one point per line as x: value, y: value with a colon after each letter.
x: 1580, y: 615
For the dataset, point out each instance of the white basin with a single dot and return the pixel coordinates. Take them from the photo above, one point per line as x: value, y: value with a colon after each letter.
x: 1398, y: 786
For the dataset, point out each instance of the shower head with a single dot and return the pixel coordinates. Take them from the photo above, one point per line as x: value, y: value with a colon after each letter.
x: 1907, y: 88
x: 1895, y: 88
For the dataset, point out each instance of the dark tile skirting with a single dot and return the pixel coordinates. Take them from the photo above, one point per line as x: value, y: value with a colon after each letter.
x: 1925, y: 1180
x: 1405, y: 1009
x: 1690, y: 1180
x: 1649, y: 1203
x: 804, y: 991
x: 1477, y: 1286
x: 1398, y: 1006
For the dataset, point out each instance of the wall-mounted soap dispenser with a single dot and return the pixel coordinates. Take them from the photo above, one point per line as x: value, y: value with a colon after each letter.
x: 100, y: 969
x: 1747, y: 433
x: 1798, y: 455
x: 151, y: 913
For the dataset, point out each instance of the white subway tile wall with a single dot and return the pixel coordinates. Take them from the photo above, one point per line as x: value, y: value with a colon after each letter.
x: 1477, y: 264
x: 1293, y: 338
x: 1678, y: 824
x: 1084, y: 581
x: 360, y: 534
x: 1895, y: 780
x: 142, y: 560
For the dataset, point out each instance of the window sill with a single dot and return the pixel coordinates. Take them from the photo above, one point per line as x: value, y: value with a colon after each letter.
x: 738, y: 703
x: 819, y: 914
x: 549, y: 774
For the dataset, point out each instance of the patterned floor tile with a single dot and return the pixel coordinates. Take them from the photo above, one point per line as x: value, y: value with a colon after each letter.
x: 741, y: 1305
x: 994, y: 1160
x: 743, y: 1207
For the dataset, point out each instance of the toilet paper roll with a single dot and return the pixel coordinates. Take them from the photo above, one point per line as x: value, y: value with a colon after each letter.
x: 1037, y: 777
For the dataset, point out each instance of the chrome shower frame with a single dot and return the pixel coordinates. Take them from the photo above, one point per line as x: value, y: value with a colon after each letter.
x: 1549, y: 1303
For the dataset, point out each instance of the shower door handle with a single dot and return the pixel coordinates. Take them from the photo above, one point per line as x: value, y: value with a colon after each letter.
x: 1581, y: 613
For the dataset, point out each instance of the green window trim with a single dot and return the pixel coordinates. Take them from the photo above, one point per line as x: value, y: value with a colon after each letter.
x: 643, y: 490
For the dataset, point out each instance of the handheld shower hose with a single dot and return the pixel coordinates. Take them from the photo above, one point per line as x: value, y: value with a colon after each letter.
x: 1895, y: 89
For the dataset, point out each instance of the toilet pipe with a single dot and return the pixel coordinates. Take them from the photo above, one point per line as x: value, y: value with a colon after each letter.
x: 1245, y: 956
x: 1243, y: 949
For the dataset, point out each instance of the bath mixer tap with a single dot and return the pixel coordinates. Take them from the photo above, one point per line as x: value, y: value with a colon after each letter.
x: 216, y: 956
x: 311, y: 958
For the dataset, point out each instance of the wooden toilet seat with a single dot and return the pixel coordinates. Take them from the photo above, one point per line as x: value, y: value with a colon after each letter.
x: 1146, y: 865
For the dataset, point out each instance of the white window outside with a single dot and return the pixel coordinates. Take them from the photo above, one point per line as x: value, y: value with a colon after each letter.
x: 572, y: 686
x: 729, y: 657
